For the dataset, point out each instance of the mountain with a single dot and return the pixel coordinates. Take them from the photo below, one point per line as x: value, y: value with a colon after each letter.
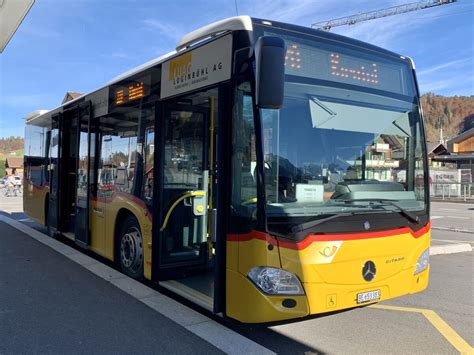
x: 454, y: 114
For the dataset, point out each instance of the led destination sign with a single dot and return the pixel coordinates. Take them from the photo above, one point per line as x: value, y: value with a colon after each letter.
x: 135, y: 90
x: 311, y: 59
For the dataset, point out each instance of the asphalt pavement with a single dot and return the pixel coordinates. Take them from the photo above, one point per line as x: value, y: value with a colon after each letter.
x: 453, y: 216
x: 50, y: 304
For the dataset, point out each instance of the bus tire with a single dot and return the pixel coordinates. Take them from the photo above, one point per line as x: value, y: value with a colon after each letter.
x: 130, y: 248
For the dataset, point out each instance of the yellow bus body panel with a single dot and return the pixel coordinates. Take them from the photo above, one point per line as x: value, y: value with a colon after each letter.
x: 329, y: 270
x: 103, y: 222
x: 34, y: 201
x: 102, y: 219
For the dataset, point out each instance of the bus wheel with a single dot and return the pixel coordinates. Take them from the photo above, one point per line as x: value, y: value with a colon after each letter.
x: 131, y: 249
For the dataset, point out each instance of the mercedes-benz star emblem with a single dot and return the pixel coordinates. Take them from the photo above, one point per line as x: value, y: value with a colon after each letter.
x: 368, y: 271
x: 366, y: 225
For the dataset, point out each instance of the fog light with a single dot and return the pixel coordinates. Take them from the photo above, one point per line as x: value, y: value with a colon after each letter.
x: 275, y: 281
x: 423, y: 261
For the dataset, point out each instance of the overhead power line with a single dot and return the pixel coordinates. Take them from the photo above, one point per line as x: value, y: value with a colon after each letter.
x: 372, y: 15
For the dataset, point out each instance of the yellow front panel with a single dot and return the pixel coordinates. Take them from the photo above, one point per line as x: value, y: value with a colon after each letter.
x: 330, y: 271
x: 392, y: 254
x: 247, y: 304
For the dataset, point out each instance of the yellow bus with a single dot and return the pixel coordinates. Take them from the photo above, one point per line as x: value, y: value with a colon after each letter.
x: 262, y: 170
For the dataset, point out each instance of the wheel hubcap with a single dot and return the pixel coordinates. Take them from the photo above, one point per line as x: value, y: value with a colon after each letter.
x: 131, y: 249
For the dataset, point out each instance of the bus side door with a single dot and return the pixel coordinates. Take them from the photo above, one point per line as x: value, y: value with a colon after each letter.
x: 85, y: 175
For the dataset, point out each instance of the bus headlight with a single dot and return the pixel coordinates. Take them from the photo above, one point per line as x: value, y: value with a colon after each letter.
x: 275, y: 281
x: 423, y: 261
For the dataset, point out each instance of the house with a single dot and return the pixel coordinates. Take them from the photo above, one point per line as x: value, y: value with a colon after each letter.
x: 70, y: 95
x: 435, y: 150
x: 461, y: 154
x: 463, y: 143
x: 14, y: 166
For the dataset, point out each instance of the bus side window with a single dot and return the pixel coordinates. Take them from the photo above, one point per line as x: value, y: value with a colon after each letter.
x: 244, y: 156
x: 148, y: 171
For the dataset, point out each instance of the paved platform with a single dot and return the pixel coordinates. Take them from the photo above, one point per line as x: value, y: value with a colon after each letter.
x: 54, y: 299
x: 50, y: 304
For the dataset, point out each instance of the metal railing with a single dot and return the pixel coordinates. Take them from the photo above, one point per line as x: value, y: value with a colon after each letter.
x: 452, y: 191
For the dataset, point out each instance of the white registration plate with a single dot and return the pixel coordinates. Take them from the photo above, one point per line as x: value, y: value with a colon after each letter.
x: 369, y: 296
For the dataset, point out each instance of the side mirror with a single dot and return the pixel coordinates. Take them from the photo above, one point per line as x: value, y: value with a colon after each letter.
x: 270, y: 72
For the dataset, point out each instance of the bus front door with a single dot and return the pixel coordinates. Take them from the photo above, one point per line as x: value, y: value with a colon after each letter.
x: 84, y: 175
x: 185, y: 250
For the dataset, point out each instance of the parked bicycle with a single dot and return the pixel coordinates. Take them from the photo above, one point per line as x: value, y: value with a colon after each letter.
x: 12, y: 191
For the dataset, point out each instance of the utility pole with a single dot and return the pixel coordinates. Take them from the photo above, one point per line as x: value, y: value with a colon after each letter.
x: 372, y: 15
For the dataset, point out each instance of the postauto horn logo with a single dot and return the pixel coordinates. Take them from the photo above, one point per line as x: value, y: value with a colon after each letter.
x: 180, y: 67
x: 181, y: 70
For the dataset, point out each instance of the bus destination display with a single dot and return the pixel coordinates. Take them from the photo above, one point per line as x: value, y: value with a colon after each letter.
x: 132, y: 91
x: 309, y: 60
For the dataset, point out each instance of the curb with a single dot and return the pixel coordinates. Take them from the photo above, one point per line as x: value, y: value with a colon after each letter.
x: 207, y: 329
x: 450, y: 248
x: 460, y: 230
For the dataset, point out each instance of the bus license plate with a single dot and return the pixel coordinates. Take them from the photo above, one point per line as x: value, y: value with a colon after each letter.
x: 370, y: 296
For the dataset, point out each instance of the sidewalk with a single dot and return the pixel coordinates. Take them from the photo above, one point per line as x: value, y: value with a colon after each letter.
x: 49, y: 303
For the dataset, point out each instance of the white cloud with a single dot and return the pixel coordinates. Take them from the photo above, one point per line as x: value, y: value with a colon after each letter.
x: 435, y: 68
x: 383, y: 32
x: 164, y: 28
x: 118, y: 55
x: 457, y: 85
x: 36, y: 31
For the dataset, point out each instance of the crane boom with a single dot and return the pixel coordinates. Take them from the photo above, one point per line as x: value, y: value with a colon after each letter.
x: 371, y: 15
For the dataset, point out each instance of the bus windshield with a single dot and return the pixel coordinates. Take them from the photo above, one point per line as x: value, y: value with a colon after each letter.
x: 348, y: 135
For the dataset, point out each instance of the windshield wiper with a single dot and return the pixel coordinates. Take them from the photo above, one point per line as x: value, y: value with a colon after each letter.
x: 302, y: 227
x: 410, y: 216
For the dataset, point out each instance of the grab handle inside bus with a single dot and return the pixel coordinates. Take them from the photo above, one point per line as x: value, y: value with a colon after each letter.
x: 189, y: 194
x: 270, y: 72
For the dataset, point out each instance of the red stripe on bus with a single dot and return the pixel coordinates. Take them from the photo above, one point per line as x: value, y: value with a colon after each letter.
x: 329, y: 237
x: 252, y: 235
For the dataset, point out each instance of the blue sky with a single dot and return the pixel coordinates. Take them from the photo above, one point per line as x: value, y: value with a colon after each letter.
x: 79, y: 45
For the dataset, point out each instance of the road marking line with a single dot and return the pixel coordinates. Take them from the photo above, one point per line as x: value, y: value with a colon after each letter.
x: 436, y: 217
x: 441, y: 326
x: 453, y: 241
x: 458, y: 217
x: 452, y: 229
x: 447, y: 209
x: 450, y: 248
x: 449, y: 333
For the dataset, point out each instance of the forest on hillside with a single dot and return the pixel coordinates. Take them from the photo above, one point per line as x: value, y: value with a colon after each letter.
x: 454, y: 114
x: 10, y: 144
